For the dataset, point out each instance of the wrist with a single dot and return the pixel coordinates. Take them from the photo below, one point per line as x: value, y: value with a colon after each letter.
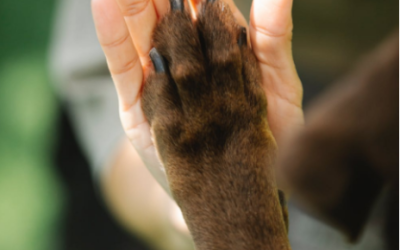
x: 216, y: 191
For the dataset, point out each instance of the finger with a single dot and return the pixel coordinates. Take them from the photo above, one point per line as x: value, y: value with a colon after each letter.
x: 162, y: 7
x: 124, y: 65
x: 127, y: 74
x: 122, y: 58
x: 140, y: 17
x: 271, y: 34
x: 271, y: 31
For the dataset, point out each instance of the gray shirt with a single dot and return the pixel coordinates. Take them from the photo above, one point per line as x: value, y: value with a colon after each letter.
x: 83, y: 82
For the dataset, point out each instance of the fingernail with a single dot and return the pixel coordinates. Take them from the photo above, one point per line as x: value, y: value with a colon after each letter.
x: 158, y: 61
x: 242, y: 40
x: 177, y: 5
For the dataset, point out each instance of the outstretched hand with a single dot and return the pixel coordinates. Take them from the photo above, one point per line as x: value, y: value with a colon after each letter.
x: 124, y: 29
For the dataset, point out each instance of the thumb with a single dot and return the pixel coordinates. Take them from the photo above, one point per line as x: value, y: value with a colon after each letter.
x: 271, y: 31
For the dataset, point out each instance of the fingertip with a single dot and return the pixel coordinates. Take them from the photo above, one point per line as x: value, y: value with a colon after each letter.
x: 97, y: 10
x: 95, y: 4
x: 162, y: 7
x: 107, y: 9
x: 108, y: 20
x: 273, y: 16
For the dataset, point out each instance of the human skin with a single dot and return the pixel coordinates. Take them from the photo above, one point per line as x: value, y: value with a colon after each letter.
x: 124, y: 29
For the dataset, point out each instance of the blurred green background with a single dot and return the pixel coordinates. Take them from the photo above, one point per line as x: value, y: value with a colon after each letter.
x: 30, y: 195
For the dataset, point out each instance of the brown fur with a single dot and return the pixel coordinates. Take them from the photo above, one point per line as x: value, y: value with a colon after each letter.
x: 349, y: 149
x: 208, y: 115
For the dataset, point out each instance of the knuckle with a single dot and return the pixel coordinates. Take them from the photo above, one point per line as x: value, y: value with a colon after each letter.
x: 134, y: 7
x: 125, y: 67
x: 117, y: 42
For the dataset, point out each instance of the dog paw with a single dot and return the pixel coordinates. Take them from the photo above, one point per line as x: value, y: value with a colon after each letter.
x: 204, y: 93
x: 208, y: 116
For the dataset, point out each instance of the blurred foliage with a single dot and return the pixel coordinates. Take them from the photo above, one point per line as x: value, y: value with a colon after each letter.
x: 30, y: 196
x: 24, y: 26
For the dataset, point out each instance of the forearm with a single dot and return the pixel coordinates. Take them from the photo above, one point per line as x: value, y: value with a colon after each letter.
x: 229, y: 199
x: 140, y: 204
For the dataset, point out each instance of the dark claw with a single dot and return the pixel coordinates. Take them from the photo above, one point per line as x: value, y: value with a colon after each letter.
x: 158, y: 61
x: 177, y: 5
x: 211, y: 1
x: 282, y: 198
x: 242, y: 40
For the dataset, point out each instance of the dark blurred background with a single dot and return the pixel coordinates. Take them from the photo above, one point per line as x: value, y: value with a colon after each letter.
x: 35, y: 197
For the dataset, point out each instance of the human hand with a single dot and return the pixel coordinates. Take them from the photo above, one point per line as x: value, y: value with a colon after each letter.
x: 124, y: 29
